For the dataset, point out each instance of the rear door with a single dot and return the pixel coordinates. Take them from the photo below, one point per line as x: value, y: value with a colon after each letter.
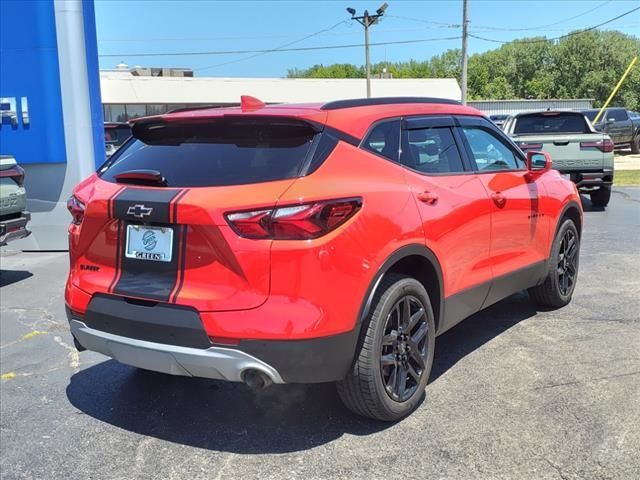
x: 618, y: 125
x: 455, y: 211
x: 519, y: 233
x: 171, y: 242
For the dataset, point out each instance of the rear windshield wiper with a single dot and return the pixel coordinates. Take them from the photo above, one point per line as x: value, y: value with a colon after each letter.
x: 141, y: 177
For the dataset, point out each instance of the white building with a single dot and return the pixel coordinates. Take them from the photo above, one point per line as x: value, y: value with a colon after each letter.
x: 126, y: 96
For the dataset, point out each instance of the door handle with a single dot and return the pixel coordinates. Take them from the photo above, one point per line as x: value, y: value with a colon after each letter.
x: 428, y: 197
x: 499, y: 199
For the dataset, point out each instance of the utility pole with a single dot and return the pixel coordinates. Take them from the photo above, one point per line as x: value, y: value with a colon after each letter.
x: 367, y: 21
x: 465, y: 22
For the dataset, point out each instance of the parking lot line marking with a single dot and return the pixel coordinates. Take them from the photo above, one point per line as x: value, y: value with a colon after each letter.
x: 7, y: 376
x: 32, y: 334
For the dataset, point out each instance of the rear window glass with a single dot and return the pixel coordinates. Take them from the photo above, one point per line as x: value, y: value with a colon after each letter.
x: 618, y: 115
x: 551, y: 123
x: 117, y: 135
x: 217, y: 153
x: 591, y: 114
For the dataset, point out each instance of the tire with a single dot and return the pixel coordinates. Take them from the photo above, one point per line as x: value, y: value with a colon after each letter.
x: 387, y: 353
x: 601, y: 197
x: 557, y: 289
x: 635, y: 144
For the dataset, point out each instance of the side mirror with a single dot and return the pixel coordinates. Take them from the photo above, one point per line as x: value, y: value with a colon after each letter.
x: 538, y: 161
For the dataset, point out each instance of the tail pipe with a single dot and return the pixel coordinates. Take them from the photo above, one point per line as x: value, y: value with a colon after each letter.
x: 256, y: 379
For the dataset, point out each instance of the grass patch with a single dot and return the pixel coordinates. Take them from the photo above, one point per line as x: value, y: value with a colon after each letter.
x: 626, y: 177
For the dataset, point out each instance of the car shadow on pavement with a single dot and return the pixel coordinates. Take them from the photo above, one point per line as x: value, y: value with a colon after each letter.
x: 7, y: 277
x: 213, y: 415
x: 470, y: 334
x: 229, y: 417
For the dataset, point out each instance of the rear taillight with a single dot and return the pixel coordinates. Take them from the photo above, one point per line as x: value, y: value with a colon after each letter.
x: 16, y: 173
x: 76, y: 209
x: 605, y: 145
x: 294, y: 222
x: 524, y: 146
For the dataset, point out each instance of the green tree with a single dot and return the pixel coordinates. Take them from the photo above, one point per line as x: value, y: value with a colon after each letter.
x: 581, y: 65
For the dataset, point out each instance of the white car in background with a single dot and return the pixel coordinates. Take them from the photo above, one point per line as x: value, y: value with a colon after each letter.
x: 13, y: 201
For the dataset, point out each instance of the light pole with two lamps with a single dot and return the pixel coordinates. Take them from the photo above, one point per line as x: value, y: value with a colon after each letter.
x: 366, y: 21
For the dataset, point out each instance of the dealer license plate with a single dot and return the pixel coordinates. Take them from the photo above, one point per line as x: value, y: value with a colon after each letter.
x: 149, y: 243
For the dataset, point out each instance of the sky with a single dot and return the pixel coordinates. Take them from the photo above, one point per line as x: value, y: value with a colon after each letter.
x: 132, y: 27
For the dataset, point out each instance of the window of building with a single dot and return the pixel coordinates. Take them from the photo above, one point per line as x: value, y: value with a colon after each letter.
x: 115, y: 112
x: 135, y: 111
x: 156, y: 108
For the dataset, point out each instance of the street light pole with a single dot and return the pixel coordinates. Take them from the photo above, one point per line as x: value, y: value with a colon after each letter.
x: 366, y: 52
x: 366, y: 21
x: 465, y: 22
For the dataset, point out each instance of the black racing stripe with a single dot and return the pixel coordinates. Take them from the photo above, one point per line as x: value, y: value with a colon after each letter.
x: 110, y: 201
x: 174, y: 213
x: 149, y: 279
x: 144, y: 204
x: 144, y: 278
x: 183, y: 262
x: 119, y: 244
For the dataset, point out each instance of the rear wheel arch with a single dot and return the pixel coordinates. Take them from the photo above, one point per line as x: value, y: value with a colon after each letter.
x: 571, y: 211
x: 416, y: 261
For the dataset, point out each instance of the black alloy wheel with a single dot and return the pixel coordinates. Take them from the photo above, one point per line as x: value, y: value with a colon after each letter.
x: 567, y: 267
x: 404, y: 348
x: 557, y: 288
x: 395, y: 352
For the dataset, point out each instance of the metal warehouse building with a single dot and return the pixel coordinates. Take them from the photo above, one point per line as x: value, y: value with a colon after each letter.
x: 511, y: 107
x: 126, y: 95
x: 138, y: 92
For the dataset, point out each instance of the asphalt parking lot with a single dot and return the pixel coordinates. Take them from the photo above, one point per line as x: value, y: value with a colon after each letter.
x: 515, y: 393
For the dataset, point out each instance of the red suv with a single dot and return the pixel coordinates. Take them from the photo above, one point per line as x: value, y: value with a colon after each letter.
x: 313, y: 243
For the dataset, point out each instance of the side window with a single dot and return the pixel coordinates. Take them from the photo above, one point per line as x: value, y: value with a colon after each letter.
x: 489, y: 152
x: 618, y: 115
x: 431, y: 150
x: 384, y: 139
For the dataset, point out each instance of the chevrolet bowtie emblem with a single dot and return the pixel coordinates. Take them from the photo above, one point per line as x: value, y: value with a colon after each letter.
x: 139, y: 211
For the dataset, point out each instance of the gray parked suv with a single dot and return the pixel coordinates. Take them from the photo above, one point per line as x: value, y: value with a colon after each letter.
x: 13, y: 201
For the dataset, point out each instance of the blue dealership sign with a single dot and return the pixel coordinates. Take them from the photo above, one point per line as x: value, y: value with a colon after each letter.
x: 50, y: 106
x: 32, y: 128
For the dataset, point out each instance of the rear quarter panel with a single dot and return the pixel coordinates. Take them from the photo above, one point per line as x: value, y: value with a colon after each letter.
x: 318, y: 286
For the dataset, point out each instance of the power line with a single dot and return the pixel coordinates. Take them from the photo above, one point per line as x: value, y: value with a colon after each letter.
x: 324, y: 30
x: 561, y: 36
x: 430, y: 22
x: 355, y: 45
x: 274, y: 50
x: 539, y: 27
x: 486, y: 27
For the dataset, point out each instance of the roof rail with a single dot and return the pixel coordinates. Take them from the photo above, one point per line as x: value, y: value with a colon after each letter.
x: 365, y: 102
x: 195, y: 107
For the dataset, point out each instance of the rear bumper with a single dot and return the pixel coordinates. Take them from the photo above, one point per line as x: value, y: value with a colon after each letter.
x: 213, y: 362
x: 588, y: 180
x: 171, y: 339
x: 14, y: 228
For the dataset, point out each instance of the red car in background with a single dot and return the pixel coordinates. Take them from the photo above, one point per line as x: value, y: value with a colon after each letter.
x: 313, y: 243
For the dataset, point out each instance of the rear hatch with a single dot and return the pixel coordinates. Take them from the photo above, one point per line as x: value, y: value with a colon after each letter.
x: 566, y: 136
x: 154, y: 224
